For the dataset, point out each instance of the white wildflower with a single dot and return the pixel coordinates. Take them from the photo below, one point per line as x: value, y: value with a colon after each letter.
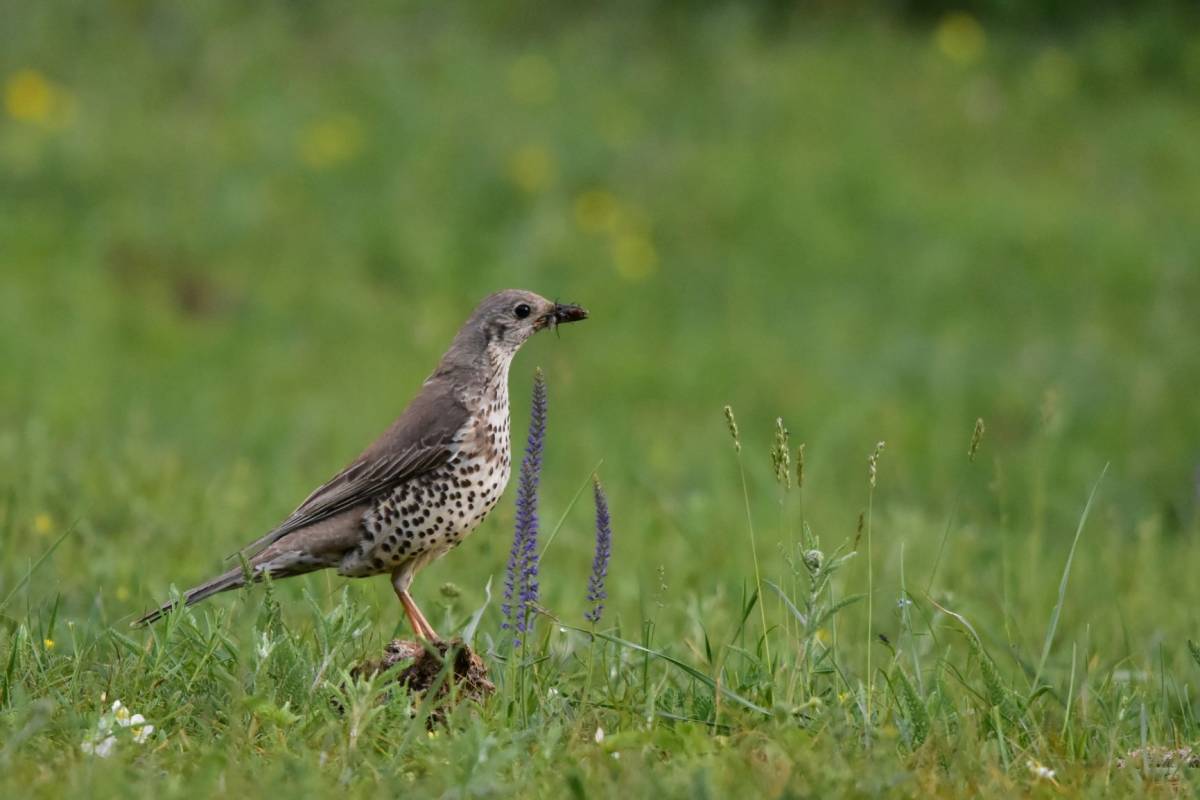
x: 265, y: 646
x: 103, y: 741
x: 599, y: 735
x: 101, y: 748
x: 120, y: 713
x: 1039, y: 771
x: 141, y: 730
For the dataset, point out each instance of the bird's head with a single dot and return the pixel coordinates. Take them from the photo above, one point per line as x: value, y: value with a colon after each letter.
x: 499, y: 326
x: 506, y: 319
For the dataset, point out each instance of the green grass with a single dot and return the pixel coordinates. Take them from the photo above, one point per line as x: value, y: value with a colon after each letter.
x: 232, y: 245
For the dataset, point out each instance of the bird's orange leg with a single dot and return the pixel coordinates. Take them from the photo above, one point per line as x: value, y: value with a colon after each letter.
x: 416, y: 619
x: 401, y: 580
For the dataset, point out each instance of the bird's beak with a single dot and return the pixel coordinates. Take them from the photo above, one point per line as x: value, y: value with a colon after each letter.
x: 568, y: 312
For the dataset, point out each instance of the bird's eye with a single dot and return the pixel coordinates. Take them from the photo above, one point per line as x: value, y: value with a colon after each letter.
x: 522, y: 311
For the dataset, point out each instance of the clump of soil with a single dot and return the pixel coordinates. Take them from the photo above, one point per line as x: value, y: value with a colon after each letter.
x: 456, y: 671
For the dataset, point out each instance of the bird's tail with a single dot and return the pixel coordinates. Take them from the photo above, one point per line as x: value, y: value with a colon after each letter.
x: 232, y: 579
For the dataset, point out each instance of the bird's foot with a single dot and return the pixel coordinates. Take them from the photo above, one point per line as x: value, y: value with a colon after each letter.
x: 416, y: 619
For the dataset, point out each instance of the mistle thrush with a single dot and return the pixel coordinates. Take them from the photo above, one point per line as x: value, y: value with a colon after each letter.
x: 423, y: 485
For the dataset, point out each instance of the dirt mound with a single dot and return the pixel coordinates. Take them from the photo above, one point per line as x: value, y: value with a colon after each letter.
x: 450, y: 668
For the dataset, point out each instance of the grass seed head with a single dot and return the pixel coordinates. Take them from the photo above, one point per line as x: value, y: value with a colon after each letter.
x: 800, y: 466
x: 976, y: 438
x: 660, y: 596
x: 733, y: 428
x: 781, y: 455
x: 873, y: 462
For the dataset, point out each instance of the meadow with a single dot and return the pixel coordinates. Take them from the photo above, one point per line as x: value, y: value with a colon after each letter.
x: 233, y: 243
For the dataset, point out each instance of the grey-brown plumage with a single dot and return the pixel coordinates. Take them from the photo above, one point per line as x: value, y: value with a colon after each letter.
x: 422, y: 486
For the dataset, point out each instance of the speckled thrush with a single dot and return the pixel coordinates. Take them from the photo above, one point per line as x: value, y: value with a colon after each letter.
x: 427, y: 482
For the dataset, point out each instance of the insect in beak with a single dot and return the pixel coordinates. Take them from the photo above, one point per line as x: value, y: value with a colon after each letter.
x: 564, y: 312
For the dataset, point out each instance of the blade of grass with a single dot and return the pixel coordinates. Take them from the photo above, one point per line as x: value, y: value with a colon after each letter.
x: 563, y: 518
x: 35, y: 565
x: 1062, y: 585
x: 683, y: 665
x: 762, y: 610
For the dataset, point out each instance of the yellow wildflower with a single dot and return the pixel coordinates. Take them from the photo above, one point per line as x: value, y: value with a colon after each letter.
x: 42, y: 524
x: 331, y: 141
x: 29, y: 96
x: 532, y: 168
x: 596, y: 210
x: 960, y: 37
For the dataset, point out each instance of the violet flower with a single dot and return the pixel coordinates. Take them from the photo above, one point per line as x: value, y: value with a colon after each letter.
x: 521, y: 579
x: 596, y: 592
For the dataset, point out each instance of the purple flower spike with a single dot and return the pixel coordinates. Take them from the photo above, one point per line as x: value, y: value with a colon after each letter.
x: 596, y: 593
x: 520, y: 582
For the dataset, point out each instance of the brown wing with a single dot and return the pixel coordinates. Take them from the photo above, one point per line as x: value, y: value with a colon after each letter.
x: 422, y: 439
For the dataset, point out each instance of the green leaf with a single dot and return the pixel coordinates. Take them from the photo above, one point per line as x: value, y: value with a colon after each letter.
x: 468, y: 634
x: 836, y: 607
x: 797, y: 613
x: 915, y: 712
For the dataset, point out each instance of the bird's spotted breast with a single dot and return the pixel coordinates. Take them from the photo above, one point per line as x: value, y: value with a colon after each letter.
x: 426, y: 516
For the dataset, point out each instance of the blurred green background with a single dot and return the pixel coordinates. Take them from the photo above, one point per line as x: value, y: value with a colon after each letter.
x: 233, y: 241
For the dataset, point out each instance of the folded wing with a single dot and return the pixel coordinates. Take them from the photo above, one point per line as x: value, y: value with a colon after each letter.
x: 423, y: 438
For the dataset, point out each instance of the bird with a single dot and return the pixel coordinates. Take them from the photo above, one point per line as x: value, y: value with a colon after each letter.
x: 420, y: 488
